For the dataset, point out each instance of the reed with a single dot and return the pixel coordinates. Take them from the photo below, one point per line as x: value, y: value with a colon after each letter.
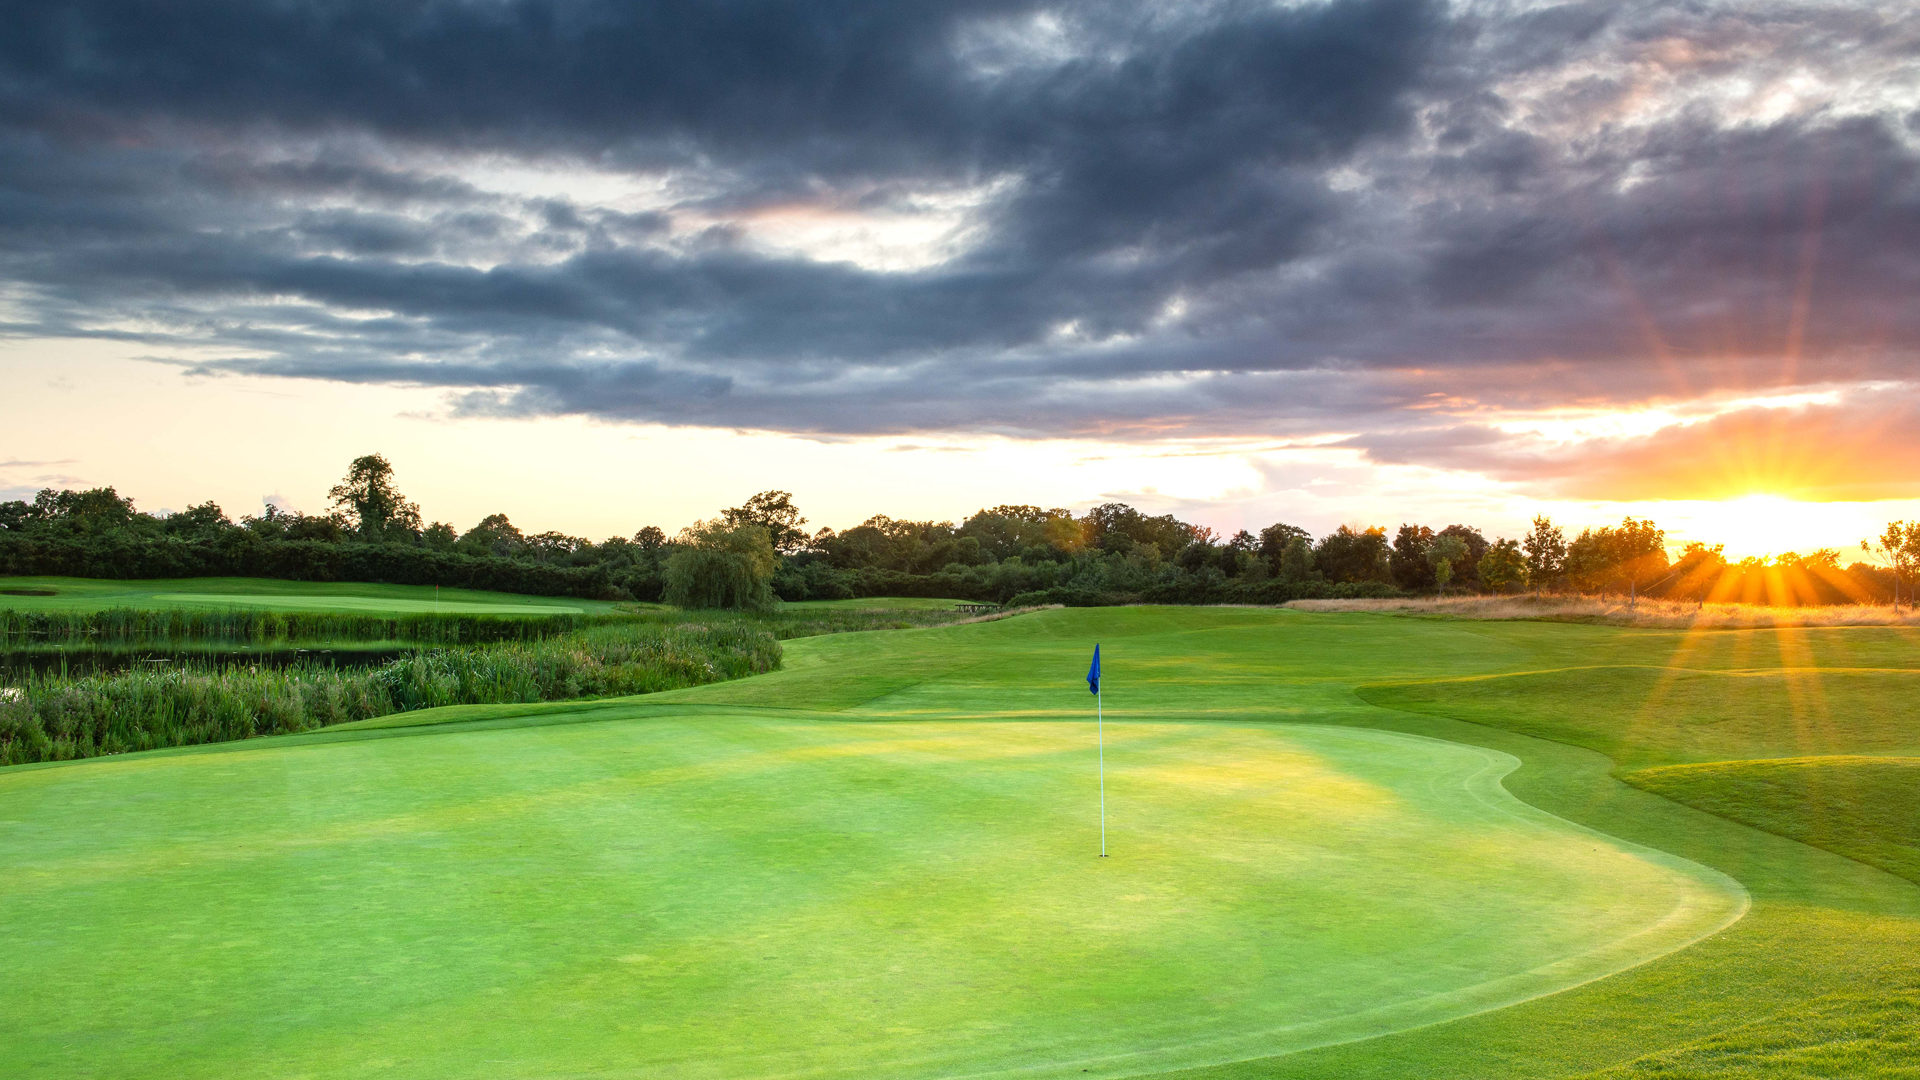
x: 174, y: 626
x: 55, y: 718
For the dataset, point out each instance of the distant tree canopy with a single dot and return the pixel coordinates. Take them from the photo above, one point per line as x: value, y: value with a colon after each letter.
x: 753, y: 554
x: 774, y: 512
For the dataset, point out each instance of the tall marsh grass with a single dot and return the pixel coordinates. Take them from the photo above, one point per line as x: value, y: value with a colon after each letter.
x: 55, y: 718
x: 143, y: 626
x: 1620, y: 611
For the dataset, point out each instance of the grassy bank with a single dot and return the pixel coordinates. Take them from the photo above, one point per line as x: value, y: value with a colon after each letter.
x: 219, y: 593
x: 1625, y: 611
x: 263, y: 626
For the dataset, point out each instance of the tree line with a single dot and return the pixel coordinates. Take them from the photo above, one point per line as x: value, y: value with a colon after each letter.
x: 751, y: 555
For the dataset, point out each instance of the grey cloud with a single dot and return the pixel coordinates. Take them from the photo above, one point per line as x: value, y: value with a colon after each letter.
x: 1226, y: 219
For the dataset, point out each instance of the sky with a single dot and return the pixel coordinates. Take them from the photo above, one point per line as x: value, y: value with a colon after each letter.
x: 599, y: 264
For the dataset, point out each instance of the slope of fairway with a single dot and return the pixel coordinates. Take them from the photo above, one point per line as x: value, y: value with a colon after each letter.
x: 1866, y: 808
x: 1645, y: 715
x: 878, y: 862
x: 91, y: 594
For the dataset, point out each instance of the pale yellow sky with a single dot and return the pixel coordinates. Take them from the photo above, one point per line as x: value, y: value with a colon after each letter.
x: 170, y: 440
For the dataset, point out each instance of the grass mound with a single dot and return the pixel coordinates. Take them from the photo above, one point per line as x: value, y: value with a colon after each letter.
x: 1866, y: 808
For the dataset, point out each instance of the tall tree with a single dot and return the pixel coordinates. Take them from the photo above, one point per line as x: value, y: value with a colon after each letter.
x: 1274, y: 540
x: 1408, y: 563
x: 496, y: 536
x: 1546, y: 549
x: 1899, y: 544
x: 1466, y: 569
x: 722, y: 565
x: 1443, y: 554
x: 773, y: 511
x: 1503, y: 568
x: 373, y: 506
x: 1350, y: 554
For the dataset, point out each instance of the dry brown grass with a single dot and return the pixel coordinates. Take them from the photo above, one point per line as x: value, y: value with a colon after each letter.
x: 1617, y: 611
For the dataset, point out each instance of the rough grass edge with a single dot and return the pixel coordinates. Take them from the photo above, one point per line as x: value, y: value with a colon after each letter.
x: 1620, y: 611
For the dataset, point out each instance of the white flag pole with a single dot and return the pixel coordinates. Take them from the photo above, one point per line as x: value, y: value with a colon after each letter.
x: 1100, y: 737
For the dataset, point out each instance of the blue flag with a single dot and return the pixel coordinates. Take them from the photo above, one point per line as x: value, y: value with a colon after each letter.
x: 1093, y: 673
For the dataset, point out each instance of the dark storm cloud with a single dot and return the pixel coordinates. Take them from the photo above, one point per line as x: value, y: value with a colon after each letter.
x: 1223, y: 218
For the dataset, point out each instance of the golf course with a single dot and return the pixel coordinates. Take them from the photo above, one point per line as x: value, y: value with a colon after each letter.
x: 1341, y: 845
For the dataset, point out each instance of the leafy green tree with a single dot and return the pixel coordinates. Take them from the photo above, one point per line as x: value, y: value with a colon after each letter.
x: 1239, y: 557
x: 1466, y: 569
x: 1546, y: 549
x: 495, y: 536
x: 1296, y: 561
x: 1409, y: 561
x: 1626, y: 557
x: 1504, y: 568
x: 1274, y: 540
x: 1119, y: 527
x: 1354, y: 555
x: 773, y: 511
x: 372, y: 505
x: 1443, y: 554
x: 722, y: 565
x: 1008, y: 531
x: 201, y: 523
x: 439, y: 536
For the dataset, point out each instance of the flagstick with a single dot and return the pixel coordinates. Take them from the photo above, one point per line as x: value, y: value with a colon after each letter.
x: 1100, y: 737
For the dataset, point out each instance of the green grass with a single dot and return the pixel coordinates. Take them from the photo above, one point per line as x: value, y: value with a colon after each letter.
x: 893, y: 603
x: 90, y: 594
x: 1866, y: 808
x: 1343, y: 846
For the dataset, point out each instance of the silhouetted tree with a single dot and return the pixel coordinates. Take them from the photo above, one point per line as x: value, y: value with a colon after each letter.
x: 372, y: 505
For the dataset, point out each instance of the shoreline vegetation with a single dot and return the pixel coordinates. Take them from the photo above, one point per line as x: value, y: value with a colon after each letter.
x: 186, y: 698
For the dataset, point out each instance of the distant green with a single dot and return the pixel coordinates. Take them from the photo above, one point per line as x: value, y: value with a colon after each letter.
x: 1392, y: 839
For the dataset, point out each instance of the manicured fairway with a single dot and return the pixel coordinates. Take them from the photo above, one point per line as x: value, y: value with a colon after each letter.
x: 879, y: 861
x: 89, y: 594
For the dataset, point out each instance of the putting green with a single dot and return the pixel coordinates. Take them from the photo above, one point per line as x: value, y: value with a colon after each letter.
x: 892, y: 874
